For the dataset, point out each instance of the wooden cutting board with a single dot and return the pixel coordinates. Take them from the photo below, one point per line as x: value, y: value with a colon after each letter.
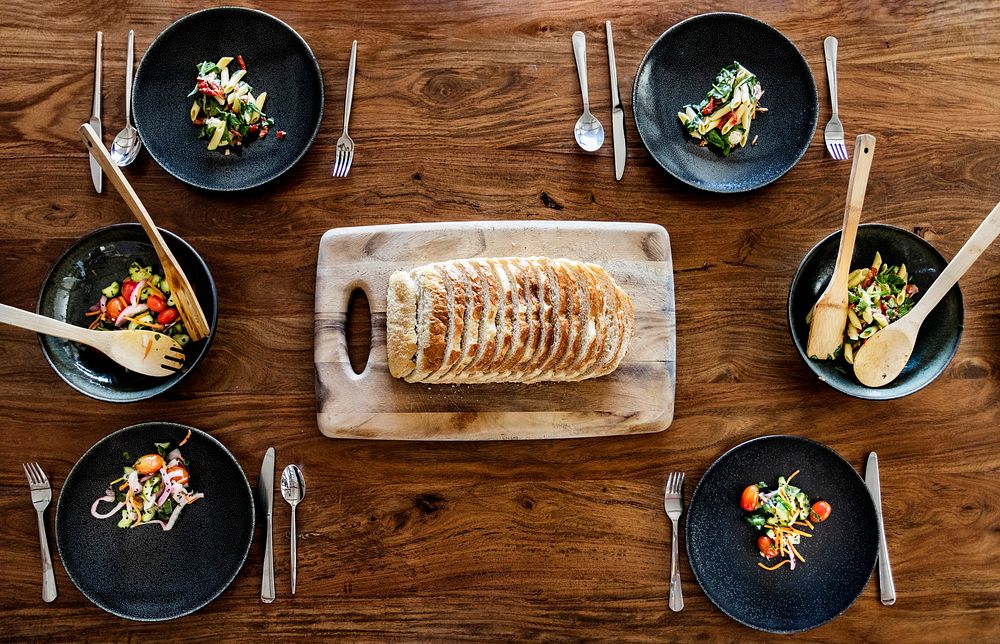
x: 637, y: 398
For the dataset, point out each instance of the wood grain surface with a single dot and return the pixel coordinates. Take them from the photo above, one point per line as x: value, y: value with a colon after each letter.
x: 637, y: 398
x: 463, y: 110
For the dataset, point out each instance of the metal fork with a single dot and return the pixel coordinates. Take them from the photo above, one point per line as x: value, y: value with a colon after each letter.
x: 41, y: 496
x: 345, y: 145
x: 673, y: 503
x: 834, y: 132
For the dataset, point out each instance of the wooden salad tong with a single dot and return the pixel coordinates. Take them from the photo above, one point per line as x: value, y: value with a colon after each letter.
x: 190, y: 310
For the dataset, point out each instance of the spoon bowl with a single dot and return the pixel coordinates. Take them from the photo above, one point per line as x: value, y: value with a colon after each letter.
x: 589, y: 132
x: 126, y: 146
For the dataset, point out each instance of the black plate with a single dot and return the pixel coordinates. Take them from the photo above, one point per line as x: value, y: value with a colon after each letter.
x: 147, y: 574
x: 74, y: 284
x: 278, y: 62
x: 679, y: 69
x: 722, y: 546
x: 939, y: 336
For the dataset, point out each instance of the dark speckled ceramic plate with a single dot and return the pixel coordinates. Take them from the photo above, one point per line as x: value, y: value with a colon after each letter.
x: 679, y: 69
x: 145, y: 573
x: 939, y: 336
x: 722, y: 546
x: 74, y: 284
x: 278, y: 61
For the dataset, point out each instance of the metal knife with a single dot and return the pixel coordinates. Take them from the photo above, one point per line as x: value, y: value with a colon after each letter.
x: 886, y: 586
x: 617, y: 113
x: 266, y: 489
x: 95, y: 114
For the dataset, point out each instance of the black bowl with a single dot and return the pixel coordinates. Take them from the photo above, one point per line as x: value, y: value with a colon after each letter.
x: 939, y: 336
x: 679, y: 69
x: 722, y: 546
x: 74, y: 284
x: 278, y: 61
x: 146, y: 573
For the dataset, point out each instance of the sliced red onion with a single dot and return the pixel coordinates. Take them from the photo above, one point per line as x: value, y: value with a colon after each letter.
x: 135, y: 294
x: 163, y: 495
x: 130, y: 312
x: 146, y: 478
x: 133, y: 482
x: 108, y: 499
x: 103, y: 304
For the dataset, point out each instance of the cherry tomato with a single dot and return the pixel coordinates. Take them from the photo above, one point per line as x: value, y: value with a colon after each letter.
x: 166, y: 316
x: 750, y: 497
x: 183, y: 478
x: 115, y: 307
x: 149, y: 464
x: 766, y: 546
x: 127, y: 287
x: 156, y: 303
x: 820, y: 511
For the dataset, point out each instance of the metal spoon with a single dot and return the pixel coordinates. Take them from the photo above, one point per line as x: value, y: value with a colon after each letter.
x: 127, y: 144
x: 293, y: 489
x: 589, y: 132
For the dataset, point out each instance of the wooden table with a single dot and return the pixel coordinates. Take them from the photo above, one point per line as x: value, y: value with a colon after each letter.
x: 463, y: 110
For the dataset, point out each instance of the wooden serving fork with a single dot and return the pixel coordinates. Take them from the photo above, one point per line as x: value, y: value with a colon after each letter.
x: 183, y: 293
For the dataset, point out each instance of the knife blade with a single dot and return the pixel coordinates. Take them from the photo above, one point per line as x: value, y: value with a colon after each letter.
x: 95, y: 114
x: 266, y: 490
x: 617, y: 113
x: 886, y: 586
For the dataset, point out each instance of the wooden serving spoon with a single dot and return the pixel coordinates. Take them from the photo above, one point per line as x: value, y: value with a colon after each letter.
x: 826, y: 331
x: 882, y: 357
x: 147, y: 352
x: 191, y: 312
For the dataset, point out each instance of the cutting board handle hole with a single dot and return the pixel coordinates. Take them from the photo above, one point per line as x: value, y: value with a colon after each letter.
x: 358, y: 330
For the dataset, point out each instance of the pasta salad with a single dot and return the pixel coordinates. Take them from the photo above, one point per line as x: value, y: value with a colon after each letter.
x: 722, y: 119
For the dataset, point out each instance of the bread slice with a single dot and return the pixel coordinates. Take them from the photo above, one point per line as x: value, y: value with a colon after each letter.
x: 541, y: 315
x: 432, y: 323
x: 454, y: 283
x: 575, y: 307
x: 611, y: 321
x: 591, y: 334
x: 557, y: 304
x: 401, y: 324
x: 520, y: 330
x: 473, y: 314
x: 628, y: 329
x: 482, y: 273
x: 533, y: 303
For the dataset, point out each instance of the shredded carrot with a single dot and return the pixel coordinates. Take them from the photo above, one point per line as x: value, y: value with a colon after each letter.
x: 775, y: 566
x: 811, y: 526
x: 123, y: 485
x: 789, y: 479
x: 796, y: 553
x: 95, y: 323
x: 91, y: 314
x: 149, y: 347
x: 181, y: 444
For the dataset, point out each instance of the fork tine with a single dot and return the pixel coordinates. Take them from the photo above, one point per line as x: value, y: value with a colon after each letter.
x: 338, y: 162
x: 680, y: 486
x: 350, y: 160
x: 27, y: 472
x: 41, y: 474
